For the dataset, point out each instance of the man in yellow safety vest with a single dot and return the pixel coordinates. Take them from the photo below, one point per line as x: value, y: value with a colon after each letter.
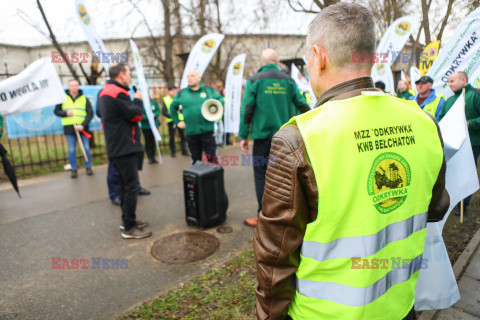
x: 76, y: 113
x: 349, y: 189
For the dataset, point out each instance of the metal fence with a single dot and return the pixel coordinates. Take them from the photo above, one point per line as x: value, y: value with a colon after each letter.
x: 33, y: 155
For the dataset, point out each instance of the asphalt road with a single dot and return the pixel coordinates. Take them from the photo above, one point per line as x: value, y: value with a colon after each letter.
x: 59, y: 217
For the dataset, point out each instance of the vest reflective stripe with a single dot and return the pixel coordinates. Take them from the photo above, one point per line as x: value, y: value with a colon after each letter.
x: 348, y: 247
x: 375, y: 160
x: 168, y: 101
x: 432, y: 106
x: 358, y: 297
x: 79, y: 108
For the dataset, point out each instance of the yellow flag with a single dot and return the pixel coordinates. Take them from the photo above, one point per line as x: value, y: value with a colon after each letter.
x: 429, y: 55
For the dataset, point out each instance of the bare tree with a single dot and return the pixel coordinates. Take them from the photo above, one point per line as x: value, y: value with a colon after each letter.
x: 50, y: 35
x: 315, y: 7
x: 168, y: 44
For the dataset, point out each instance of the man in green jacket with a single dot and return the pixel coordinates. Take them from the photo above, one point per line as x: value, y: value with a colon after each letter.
x: 403, y: 92
x: 198, y: 130
x: 271, y: 98
x: 457, y: 82
x: 147, y: 131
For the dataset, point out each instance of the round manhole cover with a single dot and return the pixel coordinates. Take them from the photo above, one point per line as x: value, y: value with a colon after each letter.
x: 224, y: 229
x: 185, y: 247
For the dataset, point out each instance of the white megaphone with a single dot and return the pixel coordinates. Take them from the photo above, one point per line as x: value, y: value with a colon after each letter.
x: 212, y: 110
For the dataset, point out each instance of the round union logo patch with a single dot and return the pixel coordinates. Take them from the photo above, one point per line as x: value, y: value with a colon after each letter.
x: 388, y: 182
x: 82, y: 11
x: 208, y: 46
x: 402, y: 28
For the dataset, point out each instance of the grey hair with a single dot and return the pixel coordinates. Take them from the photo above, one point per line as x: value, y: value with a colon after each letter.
x: 343, y: 29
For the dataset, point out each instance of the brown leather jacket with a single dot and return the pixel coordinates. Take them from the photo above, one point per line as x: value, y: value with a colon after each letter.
x: 290, y: 203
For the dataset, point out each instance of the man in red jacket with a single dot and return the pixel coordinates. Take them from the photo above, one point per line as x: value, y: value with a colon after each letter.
x: 120, y: 117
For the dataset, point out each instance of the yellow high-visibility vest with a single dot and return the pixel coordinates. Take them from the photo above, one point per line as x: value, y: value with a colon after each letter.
x: 375, y: 160
x: 79, y: 108
x: 168, y: 101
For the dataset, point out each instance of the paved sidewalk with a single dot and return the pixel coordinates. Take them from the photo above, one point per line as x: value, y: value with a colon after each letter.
x: 467, y: 272
x: 72, y: 218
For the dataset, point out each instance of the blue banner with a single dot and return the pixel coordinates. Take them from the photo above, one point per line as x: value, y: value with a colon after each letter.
x: 43, y: 121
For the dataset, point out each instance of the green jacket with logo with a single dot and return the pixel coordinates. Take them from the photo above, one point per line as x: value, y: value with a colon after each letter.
x: 405, y: 95
x: 472, y: 111
x: 1, y: 126
x: 271, y: 98
x: 144, y: 124
x: 191, y: 102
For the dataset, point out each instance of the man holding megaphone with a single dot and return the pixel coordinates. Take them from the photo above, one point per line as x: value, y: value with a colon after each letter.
x: 199, y: 127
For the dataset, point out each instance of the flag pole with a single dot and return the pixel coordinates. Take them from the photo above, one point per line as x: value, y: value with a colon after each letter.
x: 80, y: 142
x: 461, y: 211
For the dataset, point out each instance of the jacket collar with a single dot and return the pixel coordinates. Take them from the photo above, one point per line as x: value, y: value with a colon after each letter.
x: 347, y: 90
x: 432, y: 96
x: 111, y: 81
x: 468, y: 87
x: 199, y: 89
x: 80, y: 93
x: 270, y: 66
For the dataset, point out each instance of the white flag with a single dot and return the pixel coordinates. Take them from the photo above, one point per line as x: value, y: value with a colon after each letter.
x: 201, y: 55
x: 382, y: 72
x: 233, y: 93
x: 36, y: 87
x: 395, y: 38
x: 474, y: 79
x: 437, y: 287
x: 92, y: 36
x: 415, y: 74
x: 460, y: 53
x: 302, y: 83
x: 144, y: 88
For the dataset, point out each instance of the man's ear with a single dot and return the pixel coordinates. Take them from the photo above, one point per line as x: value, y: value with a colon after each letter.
x: 320, y: 56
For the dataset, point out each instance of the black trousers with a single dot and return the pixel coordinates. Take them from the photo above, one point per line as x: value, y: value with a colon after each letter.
x: 261, y: 150
x: 149, y: 143
x: 127, y: 167
x: 171, y: 135
x: 202, y: 142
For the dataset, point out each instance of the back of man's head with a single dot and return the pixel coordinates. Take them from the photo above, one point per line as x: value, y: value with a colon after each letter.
x: 343, y: 30
x: 380, y: 85
x: 116, y: 69
x: 269, y: 56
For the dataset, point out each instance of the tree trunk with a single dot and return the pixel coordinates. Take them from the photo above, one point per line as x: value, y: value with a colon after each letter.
x: 201, y: 17
x: 56, y: 44
x: 178, y: 26
x: 168, y: 64
x: 445, y: 19
x: 426, y: 23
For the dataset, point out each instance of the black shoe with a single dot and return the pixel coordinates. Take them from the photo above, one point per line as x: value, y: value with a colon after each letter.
x: 185, y: 153
x: 89, y: 172
x: 116, y: 202
x: 74, y: 174
x: 173, y: 155
x: 143, y: 192
x: 136, y: 233
x: 152, y: 161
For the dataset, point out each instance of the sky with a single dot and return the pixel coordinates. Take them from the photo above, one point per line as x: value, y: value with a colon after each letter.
x: 111, y: 19
x: 114, y: 18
